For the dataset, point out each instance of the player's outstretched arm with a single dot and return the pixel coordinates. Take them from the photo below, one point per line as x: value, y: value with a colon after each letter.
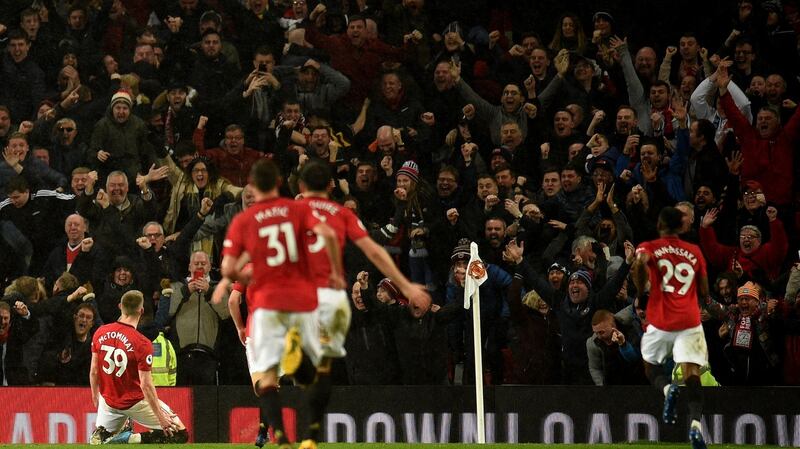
x: 234, y: 300
x: 94, y: 379
x: 703, y: 290
x: 415, y: 293
x: 149, y: 391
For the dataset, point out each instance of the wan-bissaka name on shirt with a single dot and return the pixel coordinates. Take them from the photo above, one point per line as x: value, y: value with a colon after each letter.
x: 676, y: 251
x: 278, y: 211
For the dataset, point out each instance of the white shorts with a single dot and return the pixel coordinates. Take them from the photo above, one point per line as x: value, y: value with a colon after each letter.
x: 113, y: 419
x: 268, y: 329
x: 684, y: 346
x: 333, y: 321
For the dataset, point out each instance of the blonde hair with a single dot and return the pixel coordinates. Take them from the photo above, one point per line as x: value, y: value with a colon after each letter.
x: 132, y: 302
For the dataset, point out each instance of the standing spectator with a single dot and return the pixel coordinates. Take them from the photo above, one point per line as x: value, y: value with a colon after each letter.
x: 23, y: 87
x: 613, y: 358
x: 67, y: 360
x: 760, y: 262
x: 355, y: 55
x: 196, y: 323
x: 119, y: 140
x: 233, y: 159
x: 767, y: 147
x: 750, y: 331
x: 16, y: 328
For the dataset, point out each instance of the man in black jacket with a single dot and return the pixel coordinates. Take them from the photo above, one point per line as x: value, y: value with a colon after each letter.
x: 16, y: 328
x: 575, y: 310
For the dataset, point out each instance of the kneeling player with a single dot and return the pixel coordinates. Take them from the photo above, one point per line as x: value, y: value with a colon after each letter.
x: 122, y: 383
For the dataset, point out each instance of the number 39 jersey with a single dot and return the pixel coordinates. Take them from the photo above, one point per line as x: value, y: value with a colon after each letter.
x: 673, y: 269
x: 122, y: 352
x: 275, y: 233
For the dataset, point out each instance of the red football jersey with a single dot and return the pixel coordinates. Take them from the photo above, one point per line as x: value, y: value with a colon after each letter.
x: 275, y: 233
x: 346, y: 225
x: 673, y: 268
x: 123, y: 352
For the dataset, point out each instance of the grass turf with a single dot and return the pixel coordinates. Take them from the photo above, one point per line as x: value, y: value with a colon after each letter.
x: 414, y: 446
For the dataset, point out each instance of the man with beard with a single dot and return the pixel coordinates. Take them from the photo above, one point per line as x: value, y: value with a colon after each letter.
x: 370, y: 194
x: 115, y: 215
x: 212, y: 76
x: 758, y: 261
x: 322, y: 147
x: 179, y: 118
x: 494, y: 241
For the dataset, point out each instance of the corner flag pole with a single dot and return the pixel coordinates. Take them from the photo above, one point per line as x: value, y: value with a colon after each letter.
x: 476, y: 275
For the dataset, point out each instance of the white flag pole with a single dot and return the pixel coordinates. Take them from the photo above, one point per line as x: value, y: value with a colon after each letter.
x: 475, y: 276
x: 478, y: 350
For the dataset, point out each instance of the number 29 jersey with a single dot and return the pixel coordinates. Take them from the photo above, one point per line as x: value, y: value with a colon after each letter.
x: 275, y: 233
x: 122, y: 352
x: 673, y: 268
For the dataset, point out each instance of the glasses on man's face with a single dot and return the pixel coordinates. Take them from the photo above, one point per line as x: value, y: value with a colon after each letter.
x: 751, y: 193
x: 66, y: 129
x: 747, y: 237
x: 154, y: 235
x: 234, y: 137
x: 200, y: 170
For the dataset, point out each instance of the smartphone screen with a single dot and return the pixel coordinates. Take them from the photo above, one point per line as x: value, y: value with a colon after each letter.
x: 198, y: 274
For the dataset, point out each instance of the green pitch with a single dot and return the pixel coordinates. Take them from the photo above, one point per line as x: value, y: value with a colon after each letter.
x: 407, y: 446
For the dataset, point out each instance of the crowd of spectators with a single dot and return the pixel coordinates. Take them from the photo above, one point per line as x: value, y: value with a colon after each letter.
x: 550, y: 138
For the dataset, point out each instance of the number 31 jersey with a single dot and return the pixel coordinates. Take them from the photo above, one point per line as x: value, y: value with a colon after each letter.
x: 673, y: 269
x: 275, y: 233
x: 122, y: 352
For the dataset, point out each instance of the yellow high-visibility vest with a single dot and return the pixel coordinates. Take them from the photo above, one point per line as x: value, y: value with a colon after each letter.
x: 165, y: 362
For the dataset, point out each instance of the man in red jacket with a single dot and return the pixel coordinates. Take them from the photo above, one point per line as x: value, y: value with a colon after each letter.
x: 354, y: 54
x: 766, y: 147
x: 753, y: 257
x: 233, y: 159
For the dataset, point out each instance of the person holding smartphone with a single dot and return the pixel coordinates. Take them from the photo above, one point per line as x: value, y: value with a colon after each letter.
x: 196, y: 323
